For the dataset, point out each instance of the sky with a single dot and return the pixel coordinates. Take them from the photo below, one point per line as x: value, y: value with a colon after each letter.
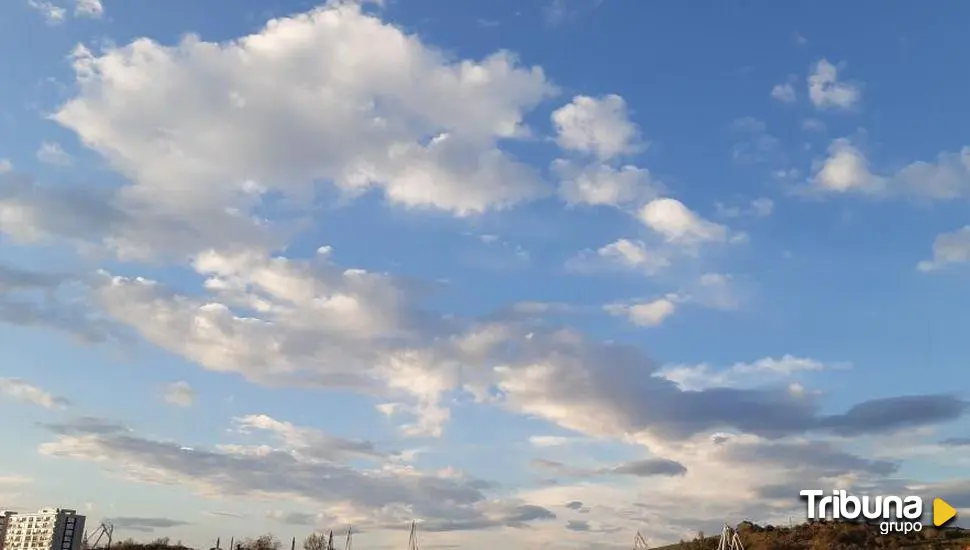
x: 527, y: 273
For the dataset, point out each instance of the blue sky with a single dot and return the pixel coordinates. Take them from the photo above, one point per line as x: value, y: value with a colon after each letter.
x: 277, y: 267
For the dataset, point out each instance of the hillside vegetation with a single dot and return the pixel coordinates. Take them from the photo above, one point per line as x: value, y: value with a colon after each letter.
x: 832, y: 536
x: 812, y: 536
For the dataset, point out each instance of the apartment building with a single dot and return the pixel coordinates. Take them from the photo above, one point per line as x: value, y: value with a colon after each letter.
x: 3, y: 524
x: 47, y: 529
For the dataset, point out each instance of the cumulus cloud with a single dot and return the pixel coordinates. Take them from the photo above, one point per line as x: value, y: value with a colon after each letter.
x: 784, y: 92
x: 675, y: 233
x: 625, y: 254
x: 21, y: 390
x: 179, y: 394
x: 599, y: 126
x: 365, y: 123
x: 710, y: 290
x: 646, y: 314
x: 601, y: 184
x: 397, y: 118
x: 826, y: 91
x: 847, y: 170
x: 679, y: 225
x: 948, y: 249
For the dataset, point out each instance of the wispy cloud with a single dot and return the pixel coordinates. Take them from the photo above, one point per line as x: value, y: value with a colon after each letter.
x: 22, y: 390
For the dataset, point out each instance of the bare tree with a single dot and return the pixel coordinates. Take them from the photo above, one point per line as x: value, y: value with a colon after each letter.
x: 264, y: 542
x: 316, y: 541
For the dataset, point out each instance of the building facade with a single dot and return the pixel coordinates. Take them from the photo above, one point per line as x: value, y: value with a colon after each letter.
x: 47, y: 529
x: 3, y: 525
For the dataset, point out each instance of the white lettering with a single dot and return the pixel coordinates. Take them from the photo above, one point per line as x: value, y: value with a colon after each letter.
x: 913, y: 508
x: 851, y: 507
x: 811, y: 495
x: 897, y: 514
x: 887, y: 507
x: 871, y: 512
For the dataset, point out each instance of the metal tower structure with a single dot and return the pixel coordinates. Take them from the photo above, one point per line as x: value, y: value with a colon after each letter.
x: 640, y: 543
x: 104, y: 532
x: 349, y: 543
x: 413, y: 539
x: 729, y: 539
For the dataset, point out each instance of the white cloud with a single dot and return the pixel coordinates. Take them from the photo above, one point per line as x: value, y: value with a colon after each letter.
x: 597, y: 126
x: 601, y: 184
x: 317, y: 324
x: 847, y: 170
x: 306, y: 469
x: 88, y: 8
x: 710, y: 290
x: 311, y: 322
x: 948, y: 249
x: 677, y: 233
x: 399, y: 116
x: 699, y: 377
x: 545, y: 441
x: 51, y: 12
x: 827, y: 92
x: 179, y: 394
x: 5, y: 165
x: 646, y: 314
x: 306, y: 443
x: 679, y: 225
x: 625, y: 254
x: 21, y: 390
x: 784, y: 93
x: 52, y: 153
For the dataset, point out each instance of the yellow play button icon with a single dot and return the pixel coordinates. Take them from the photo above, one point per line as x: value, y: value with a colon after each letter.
x: 942, y: 512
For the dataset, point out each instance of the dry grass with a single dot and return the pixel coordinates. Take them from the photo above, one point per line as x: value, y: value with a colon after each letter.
x: 833, y: 536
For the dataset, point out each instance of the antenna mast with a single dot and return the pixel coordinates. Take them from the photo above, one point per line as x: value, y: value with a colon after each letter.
x: 640, y: 543
x: 349, y: 544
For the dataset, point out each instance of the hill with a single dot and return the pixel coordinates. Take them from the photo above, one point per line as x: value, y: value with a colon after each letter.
x: 832, y: 536
x: 810, y: 536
